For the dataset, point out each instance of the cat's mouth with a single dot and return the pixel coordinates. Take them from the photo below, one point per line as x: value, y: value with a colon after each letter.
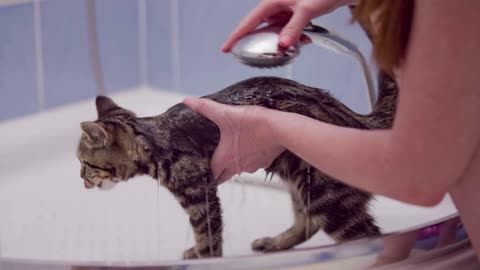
x: 88, y: 184
x: 104, y: 184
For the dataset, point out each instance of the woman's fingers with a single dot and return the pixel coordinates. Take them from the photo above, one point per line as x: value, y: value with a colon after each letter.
x: 298, y: 14
x: 264, y: 10
x: 225, y: 175
x: 225, y: 153
x: 223, y: 156
x: 246, y: 143
x: 294, y: 28
x: 280, y: 18
x: 208, y: 108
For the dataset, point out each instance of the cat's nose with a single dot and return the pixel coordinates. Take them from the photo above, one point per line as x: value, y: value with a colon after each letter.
x: 88, y: 184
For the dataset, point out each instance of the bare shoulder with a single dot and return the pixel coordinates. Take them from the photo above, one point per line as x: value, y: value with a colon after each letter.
x: 444, y: 48
x: 449, y: 22
x: 439, y: 97
x: 440, y: 72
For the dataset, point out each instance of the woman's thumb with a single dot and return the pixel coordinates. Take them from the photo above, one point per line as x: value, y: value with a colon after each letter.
x: 208, y: 108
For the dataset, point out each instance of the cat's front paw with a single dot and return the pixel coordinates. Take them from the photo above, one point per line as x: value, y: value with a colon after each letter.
x: 266, y: 244
x: 190, y: 253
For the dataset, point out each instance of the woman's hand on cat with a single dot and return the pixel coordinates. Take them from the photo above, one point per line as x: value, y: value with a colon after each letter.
x: 295, y: 14
x: 246, y: 142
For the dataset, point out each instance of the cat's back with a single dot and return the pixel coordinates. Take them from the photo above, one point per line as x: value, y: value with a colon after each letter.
x: 188, y: 127
x: 190, y: 131
x: 263, y: 90
x: 269, y: 92
x: 289, y: 96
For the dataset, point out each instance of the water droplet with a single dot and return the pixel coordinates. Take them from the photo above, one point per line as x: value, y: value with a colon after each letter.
x: 309, y: 180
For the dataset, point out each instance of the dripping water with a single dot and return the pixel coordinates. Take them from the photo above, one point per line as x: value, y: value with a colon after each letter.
x: 157, y: 214
x: 309, y: 179
x: 237, y: 153
x: 243, y: 199
x: 239, y: 169
x: 210, y: 241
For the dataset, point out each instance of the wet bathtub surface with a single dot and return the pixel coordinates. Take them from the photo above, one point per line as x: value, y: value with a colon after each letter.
x: 47, y: 214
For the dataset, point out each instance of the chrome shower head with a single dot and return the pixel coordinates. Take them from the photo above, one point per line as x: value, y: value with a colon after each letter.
x: 260, y: 49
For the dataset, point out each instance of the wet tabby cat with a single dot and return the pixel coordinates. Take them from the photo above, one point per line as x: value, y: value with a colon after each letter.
x: 175, y: 148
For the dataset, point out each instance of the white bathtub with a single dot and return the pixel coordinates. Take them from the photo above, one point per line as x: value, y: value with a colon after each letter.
x: 47, y: 214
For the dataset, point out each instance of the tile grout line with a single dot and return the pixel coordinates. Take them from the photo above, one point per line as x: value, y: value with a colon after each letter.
x: 93, y: 46
x: 142, y: 42
x: 39, y: 64
x: 175, y: 44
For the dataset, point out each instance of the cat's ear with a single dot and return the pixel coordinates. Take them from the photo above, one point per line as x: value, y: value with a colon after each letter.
x: 105, y: 105
x: 96, y: 134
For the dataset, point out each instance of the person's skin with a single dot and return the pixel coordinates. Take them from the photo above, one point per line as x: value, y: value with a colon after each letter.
x: 433, y: 147
x: 396, y: 247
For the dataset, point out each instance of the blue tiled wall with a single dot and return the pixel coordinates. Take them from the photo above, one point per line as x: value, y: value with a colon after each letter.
x: 159, y: 56
x: 202, y: 68
x: 68, y: 76
x: 204, y: 25
x: 117, y: 22
x: 17, y: 62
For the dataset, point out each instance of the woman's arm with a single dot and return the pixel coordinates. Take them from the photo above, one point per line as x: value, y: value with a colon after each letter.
x: 436, y: 129
x: 435, y: 133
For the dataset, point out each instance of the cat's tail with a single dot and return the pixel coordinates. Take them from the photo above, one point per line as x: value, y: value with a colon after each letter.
x: 385, y: 107
x: 384, y: 110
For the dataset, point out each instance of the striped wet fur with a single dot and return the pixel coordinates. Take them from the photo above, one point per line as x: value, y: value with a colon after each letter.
x: 176, y: 146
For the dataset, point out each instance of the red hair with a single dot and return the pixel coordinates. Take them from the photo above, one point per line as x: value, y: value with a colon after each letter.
x: 388, y: 23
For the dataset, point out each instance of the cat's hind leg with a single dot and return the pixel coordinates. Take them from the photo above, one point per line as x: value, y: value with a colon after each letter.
x: 320, y: 202
x: 343, y: 209
x: 348, y: 219
x: 302, y: 229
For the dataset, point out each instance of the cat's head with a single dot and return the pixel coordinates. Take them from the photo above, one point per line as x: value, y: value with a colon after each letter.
x: 103, y: 150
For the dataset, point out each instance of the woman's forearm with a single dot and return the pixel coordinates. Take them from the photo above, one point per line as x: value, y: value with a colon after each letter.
x: 436, y: 130
x: 364, y: 159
